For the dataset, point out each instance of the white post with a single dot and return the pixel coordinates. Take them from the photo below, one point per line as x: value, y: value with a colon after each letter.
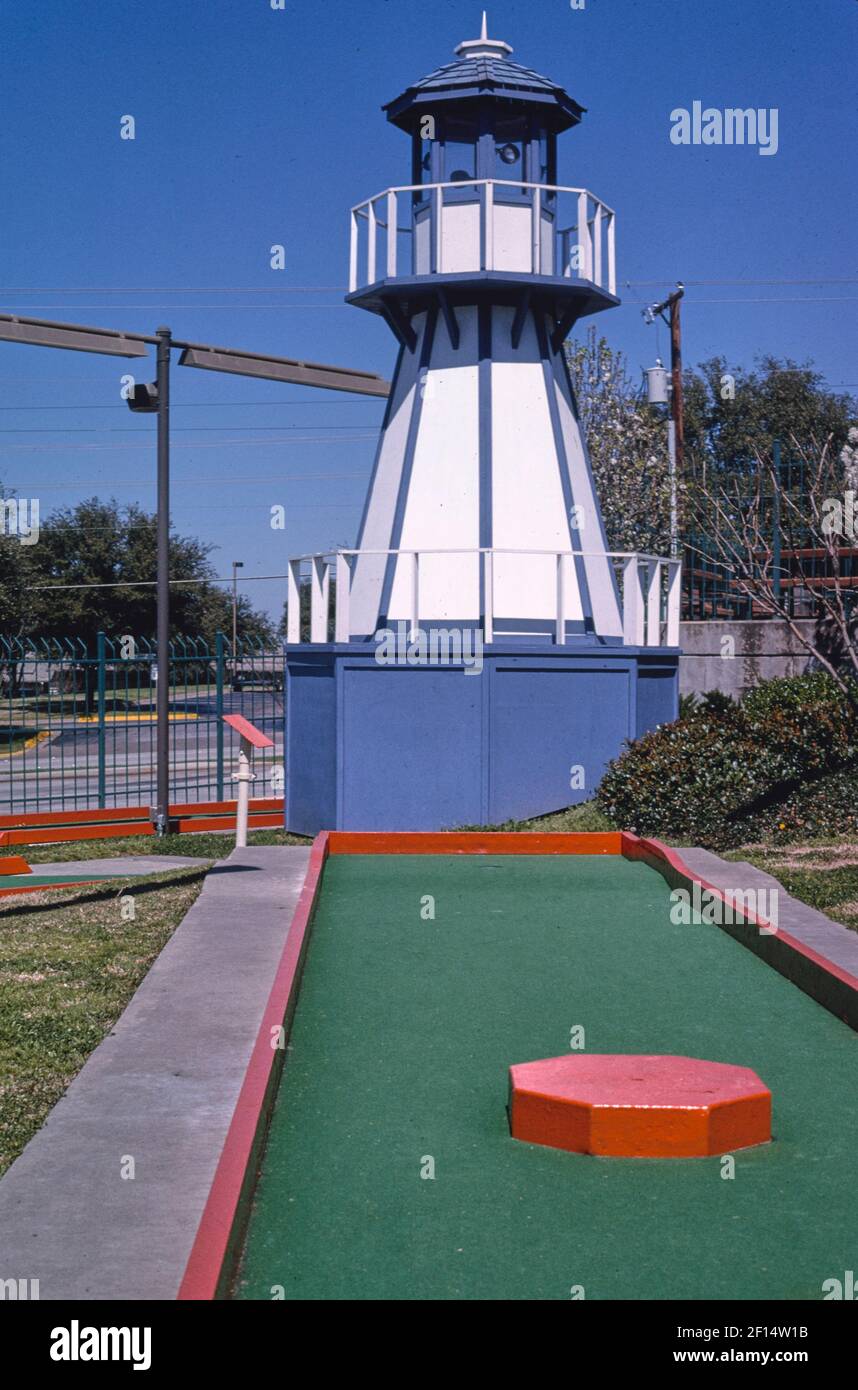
x: 674, y: 508
x: 438, y: 203
x: 372, y: 241
x: 415, y: 596
x: 488, y: 596
x: 320, y: 588
x: 353, y: 252
x: 391, y: 234
x: 341, y: 609
x: 653, y: 603
x: 560, y: 628
x: 537, y: 231
x: 243, y: 777
x: 674, y: 593
x: 597, y: 243
x: 293, y: 602
x: 583, y: 237
x: 612, y: 254
x: 489, y: 238
x: 633, y: 615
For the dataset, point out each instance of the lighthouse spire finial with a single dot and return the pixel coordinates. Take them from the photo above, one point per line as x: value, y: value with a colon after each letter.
x: 484, y: 47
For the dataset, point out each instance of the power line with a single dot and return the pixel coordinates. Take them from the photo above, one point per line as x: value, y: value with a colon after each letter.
x: 178, y: 429
x: 750, y: 280
x: 188, y: 444
x: 181, y: 405
x: 111, y: 308
x: 189, y: 482
x: 151, y: 583
x: 337, y: 289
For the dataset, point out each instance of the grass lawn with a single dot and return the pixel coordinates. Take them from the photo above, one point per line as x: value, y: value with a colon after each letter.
x: 823, y: 874
x: 69, y: 964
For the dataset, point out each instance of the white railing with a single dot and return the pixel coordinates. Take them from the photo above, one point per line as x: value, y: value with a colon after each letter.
x: 649, y: 588
x: 502, y: 225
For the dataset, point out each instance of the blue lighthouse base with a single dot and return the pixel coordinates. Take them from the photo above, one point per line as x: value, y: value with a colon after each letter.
x: 382, y: 747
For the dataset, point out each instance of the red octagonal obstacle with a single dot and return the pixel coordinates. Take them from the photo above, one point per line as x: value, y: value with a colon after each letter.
x: 638, y: 1106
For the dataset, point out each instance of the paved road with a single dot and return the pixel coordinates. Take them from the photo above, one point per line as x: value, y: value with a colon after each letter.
x: 62, y: 772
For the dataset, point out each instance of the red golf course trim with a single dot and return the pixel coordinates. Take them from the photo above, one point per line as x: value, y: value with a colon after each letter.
x: 50, y: 827
x: 212, y: 1262
x: 49, y: 887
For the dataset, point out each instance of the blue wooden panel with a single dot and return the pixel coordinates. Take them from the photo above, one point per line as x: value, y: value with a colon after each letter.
x: 370, y: 747
x: 310, y: 783
x: 546, y: 720
x: 658, y: 695
x: 410, y: 748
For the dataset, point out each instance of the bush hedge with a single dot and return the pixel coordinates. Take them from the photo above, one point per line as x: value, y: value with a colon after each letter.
x: 726, y: 773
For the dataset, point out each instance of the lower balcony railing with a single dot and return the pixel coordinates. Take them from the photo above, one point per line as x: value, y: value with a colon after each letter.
x: 648, y: 589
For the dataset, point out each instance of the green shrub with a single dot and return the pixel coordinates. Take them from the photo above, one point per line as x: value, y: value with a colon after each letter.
x: 726, y: 769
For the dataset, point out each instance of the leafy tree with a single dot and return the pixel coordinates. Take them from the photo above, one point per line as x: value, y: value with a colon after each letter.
x: 732, y: 415
x: 627, y: 442
x: 103, y: 544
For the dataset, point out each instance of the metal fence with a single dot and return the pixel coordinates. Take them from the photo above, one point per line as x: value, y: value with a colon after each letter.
x: 798, y: 567
x: 78, y: 726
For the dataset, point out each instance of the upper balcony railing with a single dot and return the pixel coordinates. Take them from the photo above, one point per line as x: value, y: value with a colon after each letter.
x: 483, y: 224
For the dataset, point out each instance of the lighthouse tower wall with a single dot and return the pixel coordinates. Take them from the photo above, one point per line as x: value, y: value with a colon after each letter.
x: 482, y: 527
x: 482, y: 449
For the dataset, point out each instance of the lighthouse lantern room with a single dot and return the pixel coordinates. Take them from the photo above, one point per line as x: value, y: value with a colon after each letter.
x: 482, y: 548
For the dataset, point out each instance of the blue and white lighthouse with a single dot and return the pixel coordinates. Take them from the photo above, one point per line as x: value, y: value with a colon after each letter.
x: 482, y: 549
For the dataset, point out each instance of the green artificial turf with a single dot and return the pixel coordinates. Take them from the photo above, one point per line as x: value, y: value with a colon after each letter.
x: 46, y: 880
x: 404, y: 1031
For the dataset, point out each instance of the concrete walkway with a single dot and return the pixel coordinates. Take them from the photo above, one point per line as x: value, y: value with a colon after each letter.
x: 124, y: 866
x: 159, y: 1090
x: 812, y: 928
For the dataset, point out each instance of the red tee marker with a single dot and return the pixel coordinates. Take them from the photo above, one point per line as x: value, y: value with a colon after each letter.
x: 639, y: 1106
x: 243, y: 726
x: 251, y: 738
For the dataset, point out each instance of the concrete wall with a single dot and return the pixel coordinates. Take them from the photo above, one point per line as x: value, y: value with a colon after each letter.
x: 733, y: 656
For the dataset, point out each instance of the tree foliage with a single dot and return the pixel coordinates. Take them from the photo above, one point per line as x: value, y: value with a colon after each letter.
x: 627, y: 443
x: 733, y: 415
x: 46, y: 589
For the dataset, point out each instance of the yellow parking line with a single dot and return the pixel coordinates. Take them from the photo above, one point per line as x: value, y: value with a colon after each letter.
x: 139, y: 718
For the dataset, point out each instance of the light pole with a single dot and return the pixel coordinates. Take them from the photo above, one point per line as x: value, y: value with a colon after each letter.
x: 155, y: 397
x: 236, y: 566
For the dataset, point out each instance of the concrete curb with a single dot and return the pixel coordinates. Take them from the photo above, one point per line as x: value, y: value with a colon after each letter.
x: 809, y: 926
x: 160, y: 1089
x: 123, y: 866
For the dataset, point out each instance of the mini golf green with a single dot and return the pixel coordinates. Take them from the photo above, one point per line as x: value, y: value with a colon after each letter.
x: 404, y: 1031
x: 52, y: 880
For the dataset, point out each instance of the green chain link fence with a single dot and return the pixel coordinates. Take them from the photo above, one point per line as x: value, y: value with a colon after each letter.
x: 78, y: 729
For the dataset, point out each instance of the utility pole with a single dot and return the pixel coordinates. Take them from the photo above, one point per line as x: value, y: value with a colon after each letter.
x: 236, y: 566
x: 154, y: 397
x: 162, y: 635
x: 676, y: 423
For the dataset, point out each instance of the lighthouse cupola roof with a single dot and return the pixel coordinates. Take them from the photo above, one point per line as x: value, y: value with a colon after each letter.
x: 483, y: 71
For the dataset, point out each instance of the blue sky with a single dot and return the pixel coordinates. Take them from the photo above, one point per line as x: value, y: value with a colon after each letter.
x: 257, y: 126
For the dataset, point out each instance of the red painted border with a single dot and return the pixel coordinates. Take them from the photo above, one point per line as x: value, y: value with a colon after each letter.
x: 220, y: 1225
x: 49, y: 827
x: 51, y: 887
x: 473, y: 842
x: 662, y: 857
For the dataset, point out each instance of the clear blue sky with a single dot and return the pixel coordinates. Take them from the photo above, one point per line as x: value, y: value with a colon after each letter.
x: 257, y: 126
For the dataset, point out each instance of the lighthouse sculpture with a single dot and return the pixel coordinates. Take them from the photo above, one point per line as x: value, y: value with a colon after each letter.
x: 482, y: 548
